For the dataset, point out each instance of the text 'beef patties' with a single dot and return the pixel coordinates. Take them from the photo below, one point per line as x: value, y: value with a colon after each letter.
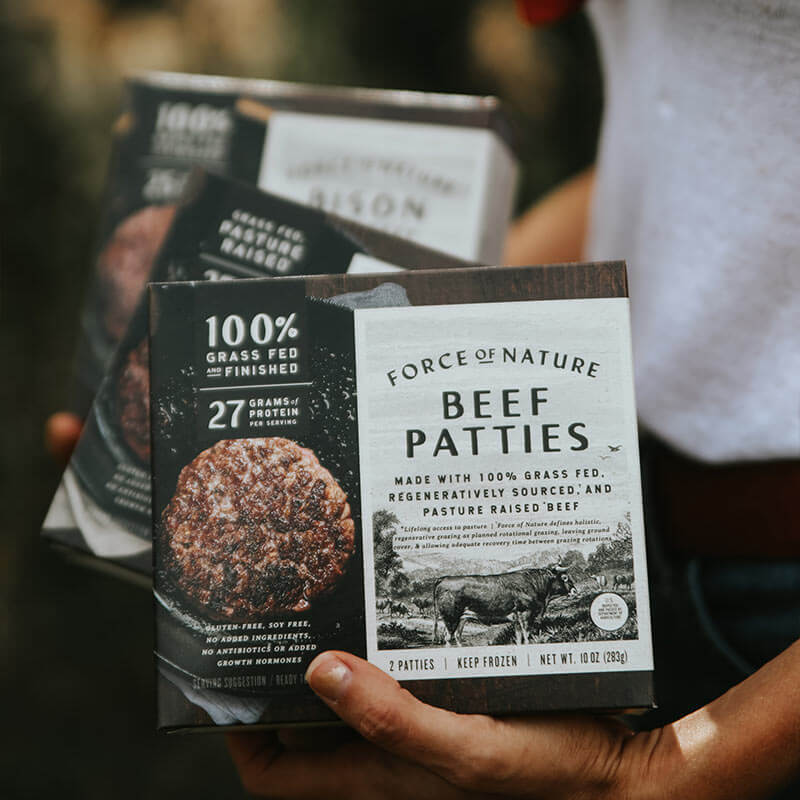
x: 256, y: 526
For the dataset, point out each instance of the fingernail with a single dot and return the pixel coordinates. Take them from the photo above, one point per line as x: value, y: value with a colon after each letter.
x: 328, y: 677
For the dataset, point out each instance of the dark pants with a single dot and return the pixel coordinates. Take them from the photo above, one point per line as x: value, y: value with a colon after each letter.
x: 715, y: 621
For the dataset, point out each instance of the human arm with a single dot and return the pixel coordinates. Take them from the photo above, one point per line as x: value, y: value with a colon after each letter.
x: 555, y: 228
x: 743, y: 745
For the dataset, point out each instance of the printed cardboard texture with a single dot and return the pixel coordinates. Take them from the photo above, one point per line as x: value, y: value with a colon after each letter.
x: 222, y: 230
x: 446, y: 187
x: 437, y: 471
x: 172, y: 123
x: 508, y: 447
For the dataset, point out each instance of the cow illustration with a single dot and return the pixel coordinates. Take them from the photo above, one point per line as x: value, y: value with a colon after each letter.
x: 623, y: 580
x: 423, y: 604
x: 520, y: 597
x: 382, y: 603
x: 398, y: 608
x: 601, y: 580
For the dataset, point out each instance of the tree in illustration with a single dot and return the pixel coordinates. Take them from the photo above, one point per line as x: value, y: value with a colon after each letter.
x: 389, y: 575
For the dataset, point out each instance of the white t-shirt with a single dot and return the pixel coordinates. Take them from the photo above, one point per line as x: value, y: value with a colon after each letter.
x: 698, y: 188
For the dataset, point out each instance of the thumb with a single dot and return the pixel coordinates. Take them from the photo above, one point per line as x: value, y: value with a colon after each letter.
x: 377, y: 707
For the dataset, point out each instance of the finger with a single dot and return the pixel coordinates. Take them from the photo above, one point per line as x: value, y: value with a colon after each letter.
x: 61, y: 434
x: 248, y: 748
x: 315, y: 739
x: 253, y: 754
x: 268, y: 770
x: 356, y: 770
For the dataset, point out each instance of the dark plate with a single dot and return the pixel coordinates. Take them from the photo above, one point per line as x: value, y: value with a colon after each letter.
x: 180, y: 640
x: 102, y: 450
x: 181, y: 637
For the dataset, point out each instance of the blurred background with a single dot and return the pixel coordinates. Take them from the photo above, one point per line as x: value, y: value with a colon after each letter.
x: 76, y: 669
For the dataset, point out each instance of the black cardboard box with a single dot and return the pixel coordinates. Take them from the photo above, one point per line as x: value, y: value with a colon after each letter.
x: 223, y: 229
x: 436, y: 169
x: 435, y: 470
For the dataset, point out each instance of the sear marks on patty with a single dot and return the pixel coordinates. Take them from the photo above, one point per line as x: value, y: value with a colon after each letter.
x: 125, y: 263
x: 133, y: 401
x: 256, y: 526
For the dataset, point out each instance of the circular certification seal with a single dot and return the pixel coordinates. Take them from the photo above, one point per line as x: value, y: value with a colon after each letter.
x: 609, y: 611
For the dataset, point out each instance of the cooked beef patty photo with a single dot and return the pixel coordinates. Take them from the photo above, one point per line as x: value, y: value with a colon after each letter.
x: 126, y: 260
x: 133, y: 401
x: 256, y: 527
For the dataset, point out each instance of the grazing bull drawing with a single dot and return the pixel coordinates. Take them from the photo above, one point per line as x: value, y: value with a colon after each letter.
x: 520, y: 597
x: 623, y: 580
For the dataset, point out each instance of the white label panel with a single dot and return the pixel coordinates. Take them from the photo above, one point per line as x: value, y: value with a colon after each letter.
x: 433, y: 184
x: 501, y: 500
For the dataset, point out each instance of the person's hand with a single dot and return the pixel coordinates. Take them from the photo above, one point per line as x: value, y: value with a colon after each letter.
x: 61, y: 434
x: 406, y: 748
x: 745, y: 744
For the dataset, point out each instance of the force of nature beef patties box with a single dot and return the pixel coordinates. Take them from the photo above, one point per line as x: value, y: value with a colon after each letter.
x: 437, y: 471
x: 435, y: 169
x: 223, y: 230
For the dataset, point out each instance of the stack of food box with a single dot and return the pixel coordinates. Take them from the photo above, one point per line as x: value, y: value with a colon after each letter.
x: 318, y: 415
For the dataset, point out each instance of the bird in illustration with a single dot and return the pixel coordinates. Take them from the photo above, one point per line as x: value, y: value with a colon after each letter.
x: 614, y: 448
